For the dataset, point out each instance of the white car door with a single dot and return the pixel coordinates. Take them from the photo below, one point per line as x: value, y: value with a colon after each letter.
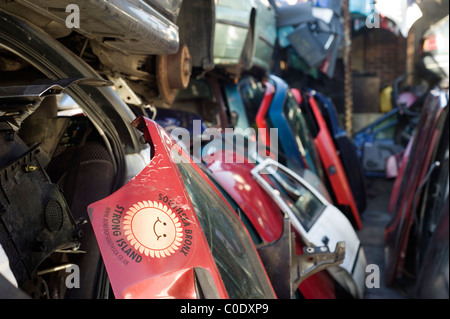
x: 316, y: 220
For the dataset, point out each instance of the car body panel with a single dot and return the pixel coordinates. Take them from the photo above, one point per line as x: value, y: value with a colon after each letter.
x: 432, y: 202
x: 236, y: 105
x: 346, y: 150
x: 294, y: 136
x: 419, y: 160
x: 245, y: 35
x: 235, y: 177
x: 265, y: 216
x: 399, y: 177
x: 327, y: 225
x: 433, y: 277
x: 277, y: 119
x: 332, y: 163
x: 237, y: 260
x: 128, y: 253
x: 146, y: 30
x: 258, y: 98
x: 265, y: 37
x: 162, y: 262
x: 232, y: 26
x: 260, y: 118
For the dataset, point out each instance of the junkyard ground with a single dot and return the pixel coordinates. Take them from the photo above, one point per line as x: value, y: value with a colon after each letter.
x: 374, y: 219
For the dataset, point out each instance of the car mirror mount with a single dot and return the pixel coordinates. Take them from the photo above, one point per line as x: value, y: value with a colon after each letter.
x: 286, y: 278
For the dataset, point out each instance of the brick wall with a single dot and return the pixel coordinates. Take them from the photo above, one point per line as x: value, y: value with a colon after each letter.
x: 378, y: 58
x: 384, y: 55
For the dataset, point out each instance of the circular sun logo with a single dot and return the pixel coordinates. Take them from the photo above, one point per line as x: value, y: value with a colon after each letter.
x: 153, y: 229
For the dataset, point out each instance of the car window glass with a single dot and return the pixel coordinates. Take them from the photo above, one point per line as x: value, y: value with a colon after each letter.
x: 233, y: 251
x: 256, y: 238
x: 304, y: 204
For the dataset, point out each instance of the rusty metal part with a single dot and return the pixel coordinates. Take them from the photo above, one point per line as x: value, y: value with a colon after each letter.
x: 348, y: 69
x: 286, y: 277
x: 173, y: 72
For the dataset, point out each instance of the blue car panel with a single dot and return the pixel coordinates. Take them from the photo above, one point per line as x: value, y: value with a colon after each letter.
x: 294, y: 137
x: 376, y: 142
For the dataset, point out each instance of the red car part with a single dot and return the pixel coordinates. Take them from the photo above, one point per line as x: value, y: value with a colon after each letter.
x: 235, y: 177
x: 333, y: 166
x: 399, y: 177
x: 260, y: 118
x: 327, y: 152
x: 149, y: 235
x: 404, y: 196
x: 297, y: 95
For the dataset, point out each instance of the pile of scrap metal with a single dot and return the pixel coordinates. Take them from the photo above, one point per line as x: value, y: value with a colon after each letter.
x: 310, y: 35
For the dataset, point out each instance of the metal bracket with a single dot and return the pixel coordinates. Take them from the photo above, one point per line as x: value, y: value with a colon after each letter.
x: 287, y: 276
x: 125, y: 92
x: 19, y: 102
x: 315, y: 259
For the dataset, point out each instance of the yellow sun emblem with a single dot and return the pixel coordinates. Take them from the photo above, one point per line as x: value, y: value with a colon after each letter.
x: 153, y: 229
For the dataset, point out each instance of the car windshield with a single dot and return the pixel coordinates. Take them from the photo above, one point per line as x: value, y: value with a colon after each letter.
x: 233, y: 251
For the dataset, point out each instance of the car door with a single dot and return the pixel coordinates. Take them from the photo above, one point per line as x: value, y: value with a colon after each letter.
x: 332, y: 164
x: 294, y: 269
x: 345, y: 148
x: 417, y: 168
x: 169, y: 226
x: 317, y: 221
